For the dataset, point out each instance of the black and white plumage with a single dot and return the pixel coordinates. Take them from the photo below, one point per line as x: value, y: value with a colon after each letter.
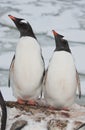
x: 4, y: 112
x: 27, y: 67
x: 62, y: 77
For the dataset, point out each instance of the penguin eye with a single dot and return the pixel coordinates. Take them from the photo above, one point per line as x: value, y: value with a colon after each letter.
x: 23, y: 22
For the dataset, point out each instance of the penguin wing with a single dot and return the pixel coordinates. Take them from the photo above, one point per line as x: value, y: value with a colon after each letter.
x: 4, y: 112
x: 78, y: 83
x: 45, y: 76
x: 11, y: 69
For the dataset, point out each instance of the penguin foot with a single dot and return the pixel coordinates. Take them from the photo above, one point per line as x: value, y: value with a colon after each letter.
x: 32, y: 102
x: 20, y: 101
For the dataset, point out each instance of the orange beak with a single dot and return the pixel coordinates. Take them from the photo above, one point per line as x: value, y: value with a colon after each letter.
x: 12, y: 17
x: 54, y: 32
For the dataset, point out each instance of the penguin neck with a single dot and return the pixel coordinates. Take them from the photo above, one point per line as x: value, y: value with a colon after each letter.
x: 24, y: 33
x: 61, y: 49
x: 59, y: 46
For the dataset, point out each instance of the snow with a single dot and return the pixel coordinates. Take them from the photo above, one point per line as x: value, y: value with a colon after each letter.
x: 76, y: 116
x: 31, y: 123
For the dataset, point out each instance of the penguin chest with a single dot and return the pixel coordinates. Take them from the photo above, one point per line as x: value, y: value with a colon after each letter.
x: 28, y: 66
x: 61, y: 77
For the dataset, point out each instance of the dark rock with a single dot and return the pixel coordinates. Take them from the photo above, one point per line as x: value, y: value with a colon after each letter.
x: 18, y: 125
x: 57, y: 124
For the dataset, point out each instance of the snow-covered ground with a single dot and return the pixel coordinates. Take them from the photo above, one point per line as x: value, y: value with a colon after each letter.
x: 46, y: 120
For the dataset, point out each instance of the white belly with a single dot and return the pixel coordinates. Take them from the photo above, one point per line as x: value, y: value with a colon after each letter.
x: 61, y: 82
x: 28, y: 68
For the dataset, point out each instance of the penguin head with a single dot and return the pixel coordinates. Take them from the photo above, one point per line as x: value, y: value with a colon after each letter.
x: 61, y: 44
x: 23, y: 26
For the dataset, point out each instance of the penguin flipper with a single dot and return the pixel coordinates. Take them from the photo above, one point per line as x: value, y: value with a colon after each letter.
x: 78, y: 83
x: 4, y: 112
x: 11, y: 69
x: 45, y: 76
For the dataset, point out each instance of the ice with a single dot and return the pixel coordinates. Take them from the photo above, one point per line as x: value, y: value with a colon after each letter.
x: 78, y: 54
x: 7, y: 93
x: 40, y: 22
x: 73, y: 35
x: 5, y: 60
x: 58, y: 23
x: 7, y: 45
x: 83, y: 87
x: 45, y: 16
x: 5, y: 20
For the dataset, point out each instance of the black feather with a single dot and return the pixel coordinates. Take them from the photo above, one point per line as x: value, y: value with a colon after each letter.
x: 10, y: 70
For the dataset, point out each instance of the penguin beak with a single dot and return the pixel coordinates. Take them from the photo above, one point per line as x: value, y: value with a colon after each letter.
x: 56, y: 34
x: 12, y: 17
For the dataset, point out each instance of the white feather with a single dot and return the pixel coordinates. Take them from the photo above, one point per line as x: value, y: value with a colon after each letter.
x: 28, y: 69
x: 60, y: 87
x: 23, y: 21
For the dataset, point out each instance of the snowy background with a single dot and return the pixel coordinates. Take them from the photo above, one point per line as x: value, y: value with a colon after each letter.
x: 67, y: 17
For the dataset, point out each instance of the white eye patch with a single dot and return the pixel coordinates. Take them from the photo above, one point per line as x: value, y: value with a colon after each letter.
x: 23, y: 21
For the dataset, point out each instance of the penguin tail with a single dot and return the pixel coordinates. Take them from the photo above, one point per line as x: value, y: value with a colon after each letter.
x: 9, y: 81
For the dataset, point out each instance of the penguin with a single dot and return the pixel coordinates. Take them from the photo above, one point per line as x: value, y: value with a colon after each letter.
x: 62, y: 77
x: 4, y: 112
x: 27, y: 66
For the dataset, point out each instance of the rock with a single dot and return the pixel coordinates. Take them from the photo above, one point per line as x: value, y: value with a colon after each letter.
x: 64, y: 125
x: 57, y: 124
x: 18, y: 125
x: 79, y: 125
x: 42, y: 118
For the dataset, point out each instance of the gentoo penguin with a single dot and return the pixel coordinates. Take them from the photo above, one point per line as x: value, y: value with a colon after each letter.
x: 4, y: 112
x: 62, y: 78
x: 27, y: 67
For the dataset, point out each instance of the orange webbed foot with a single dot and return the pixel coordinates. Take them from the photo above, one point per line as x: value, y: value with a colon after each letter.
x: 20, y: 101
x: 32, y: 102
